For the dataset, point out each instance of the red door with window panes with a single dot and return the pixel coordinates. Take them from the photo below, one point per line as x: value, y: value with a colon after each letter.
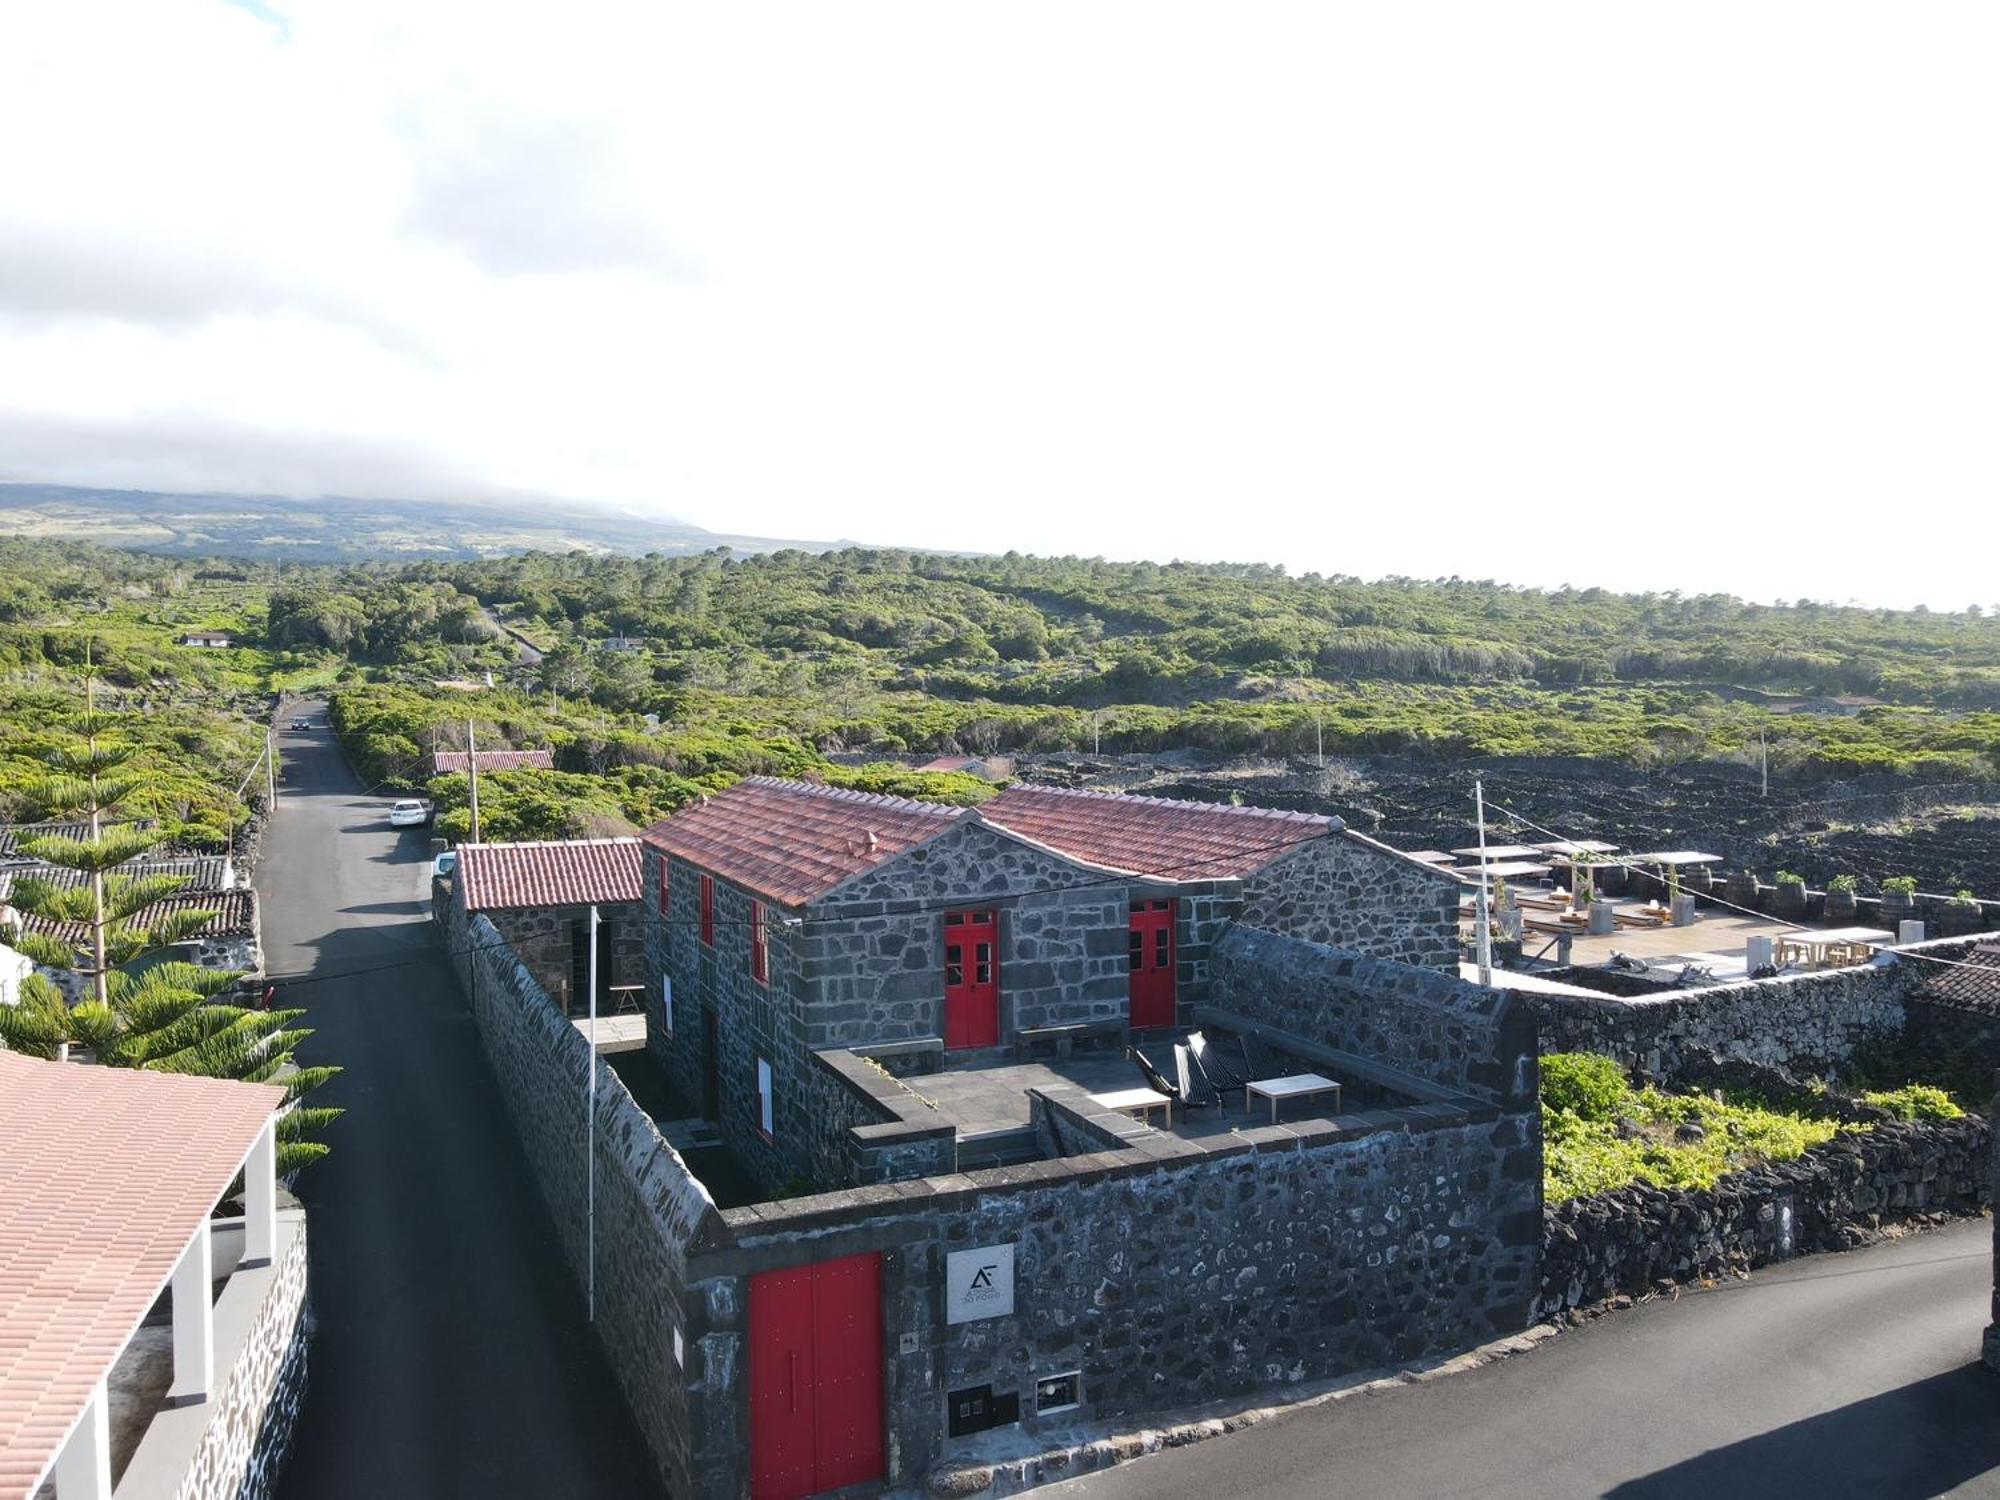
x: 971, y: 979
x: 1151, y: 959
x: 816, y: 1378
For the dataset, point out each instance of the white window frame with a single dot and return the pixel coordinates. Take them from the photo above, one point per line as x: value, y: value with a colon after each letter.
x: 667, y: 1003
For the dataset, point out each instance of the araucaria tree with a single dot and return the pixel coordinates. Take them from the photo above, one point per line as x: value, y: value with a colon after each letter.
x: 104, y: 928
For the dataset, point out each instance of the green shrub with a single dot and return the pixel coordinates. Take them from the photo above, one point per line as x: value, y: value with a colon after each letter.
x: 1845, y: 885
x: 1586, y: 1085
x: 1900, y: 885
x: 1916, y: 1101
x: 1786, y: 877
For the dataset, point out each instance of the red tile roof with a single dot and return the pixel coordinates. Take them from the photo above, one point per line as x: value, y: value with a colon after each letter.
x: 951, y: 763
x: 1152, y: 835
x: 793, y: 841
x: 446, y: 762
x: 1971, y: 984
x: 234, y: 915
x: 568, y: 872
x: 90, y: 1233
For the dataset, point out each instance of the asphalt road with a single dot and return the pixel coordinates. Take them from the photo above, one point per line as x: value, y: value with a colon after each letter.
x: 1835, y: 1375
x: 451, y: 1356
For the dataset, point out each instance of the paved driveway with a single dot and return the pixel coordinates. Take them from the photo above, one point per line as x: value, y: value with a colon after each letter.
x: 1836, y: 1375
x: 451, y: 1356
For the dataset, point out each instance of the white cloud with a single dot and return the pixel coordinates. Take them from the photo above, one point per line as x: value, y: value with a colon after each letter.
x: 1545, y: 292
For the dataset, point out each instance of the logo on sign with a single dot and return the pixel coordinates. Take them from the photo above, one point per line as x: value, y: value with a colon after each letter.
x: 979, y: 1284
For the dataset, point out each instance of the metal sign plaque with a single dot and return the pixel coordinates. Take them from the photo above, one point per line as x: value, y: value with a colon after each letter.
x: 979, y: 1284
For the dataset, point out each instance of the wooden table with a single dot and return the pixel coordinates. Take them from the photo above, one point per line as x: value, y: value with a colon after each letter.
x: 1294, y: 1086
x: 1831, y: 947
x: 1140, y: 1102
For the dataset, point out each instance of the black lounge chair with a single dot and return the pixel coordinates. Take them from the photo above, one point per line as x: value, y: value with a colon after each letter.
x: 1217, y: 1073
x: 1152, y: 1075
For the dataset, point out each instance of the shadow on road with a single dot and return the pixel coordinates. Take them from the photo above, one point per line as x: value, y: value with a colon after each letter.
x: 1924, y: 1439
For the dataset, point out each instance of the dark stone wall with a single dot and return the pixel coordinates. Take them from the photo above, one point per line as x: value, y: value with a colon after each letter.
x: 1992, y: 1340
x: 1633, y: 1240
x: 541, y: 936
x: 1431, y: 1025
x: 1807, y: 1023
x: 1346, y: 891
x: 1276, y: 1258
x: 650, y: 1210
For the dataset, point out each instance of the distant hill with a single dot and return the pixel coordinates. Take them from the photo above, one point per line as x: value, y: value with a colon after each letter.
x: 333, y: 528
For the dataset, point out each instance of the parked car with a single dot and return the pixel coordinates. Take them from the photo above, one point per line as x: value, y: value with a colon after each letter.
x: 445, y: 863
x: 302, y: 723
x: 409, y: 815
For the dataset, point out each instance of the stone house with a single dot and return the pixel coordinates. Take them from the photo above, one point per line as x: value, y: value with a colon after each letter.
x: 228, y: 939
x: 214, y: 640
x: 539, y: 895
x: 784, y: 918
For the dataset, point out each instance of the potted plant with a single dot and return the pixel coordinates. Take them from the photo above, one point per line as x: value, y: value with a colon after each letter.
x: 1962, y: 912
x: 1840, y: 902
x: 1790, y: 896
x: 1899, y: 898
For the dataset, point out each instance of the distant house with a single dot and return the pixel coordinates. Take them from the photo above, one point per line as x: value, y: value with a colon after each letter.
x: 456, y: 762
x: 986, y: 767
x: 218, y: 640
x: 624, y: 643
x: 539, y: 896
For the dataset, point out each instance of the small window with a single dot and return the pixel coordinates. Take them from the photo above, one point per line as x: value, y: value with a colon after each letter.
x: 667, y: 1004
x: 664, y: 887
x: 1137, y: 949
x: 708, y: 911
x: 982, y: 963
x: 764, y: 1099
x: 760, y: 950
x: 1161, y: 939
x: 954, y: 965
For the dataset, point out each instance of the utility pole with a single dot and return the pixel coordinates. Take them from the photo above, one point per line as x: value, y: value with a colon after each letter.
x: 590, y: 1148
x: 1764, y: 759
x: 270, y: 775
x: 1483, y: 941
x: 1319, y: 739
x: 472, y: 767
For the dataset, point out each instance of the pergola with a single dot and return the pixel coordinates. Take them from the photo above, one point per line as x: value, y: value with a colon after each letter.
x: 108, y: 1179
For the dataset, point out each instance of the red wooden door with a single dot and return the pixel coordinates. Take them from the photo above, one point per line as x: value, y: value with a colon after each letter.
x: 1151, y: 958
x: 971, y: 979
x: 781, y: 1384
x: 816, y: 1378
x: 847, y: 1349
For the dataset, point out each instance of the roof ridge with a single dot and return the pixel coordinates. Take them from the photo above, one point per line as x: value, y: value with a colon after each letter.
x: 942, y: 811
x: 1249, y: 810
x: 615, y: 838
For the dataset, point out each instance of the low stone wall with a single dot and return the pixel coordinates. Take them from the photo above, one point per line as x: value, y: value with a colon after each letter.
x: 1803, y: 1022
x: 650, y: 1209
x: 257, y: 1410
x: 870, y: 1128
x: 1635, y: 1239
x: 1992, y: 1341
x: 1418, y: 1021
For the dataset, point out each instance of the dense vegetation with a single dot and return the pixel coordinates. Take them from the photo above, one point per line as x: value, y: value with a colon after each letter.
x: 1600, y: 1133
x: 791, y: 662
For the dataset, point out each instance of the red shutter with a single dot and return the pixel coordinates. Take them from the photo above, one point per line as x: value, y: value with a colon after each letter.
x: 663, y: 884
x: 708, y: 910
x: 760, y: 954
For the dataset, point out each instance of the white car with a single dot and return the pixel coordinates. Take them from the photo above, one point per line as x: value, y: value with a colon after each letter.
x: 409, y: 815
x: 445, y: 864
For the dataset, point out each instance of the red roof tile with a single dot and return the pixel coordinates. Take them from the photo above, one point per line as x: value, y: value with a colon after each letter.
x: 1973, y: 983
x: 793, y: 841
x: 1152, y: 835
x: 90, y: 1233
x: 446, y: 762
x: 233, y: 915
x: 950, y: 763
x: 570, y: 872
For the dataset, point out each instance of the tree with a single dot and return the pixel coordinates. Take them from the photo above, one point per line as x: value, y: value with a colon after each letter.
x: 166, y: 1016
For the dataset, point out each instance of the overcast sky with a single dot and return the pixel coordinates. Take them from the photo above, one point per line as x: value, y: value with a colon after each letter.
x: 1696, y: 296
